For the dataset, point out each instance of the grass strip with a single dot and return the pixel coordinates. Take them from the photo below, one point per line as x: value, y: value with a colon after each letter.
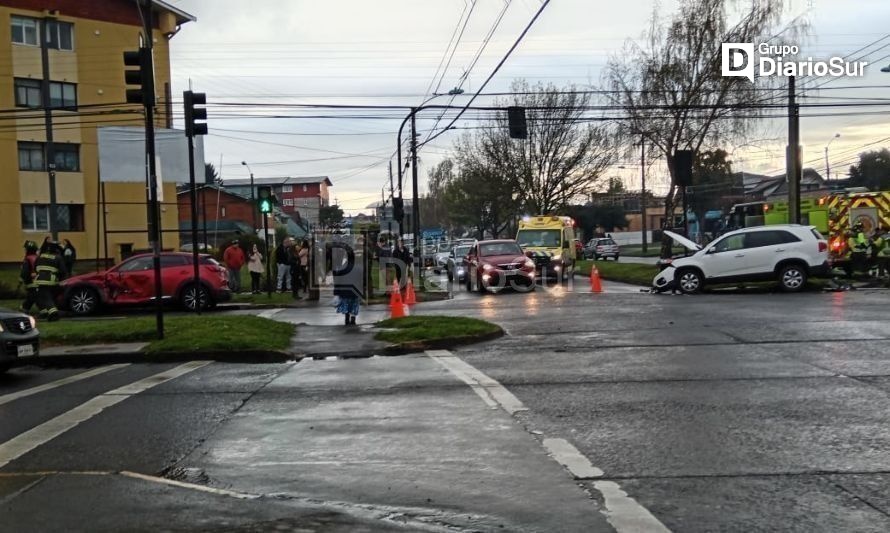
x: 430, y: 328
x: 181, y: 333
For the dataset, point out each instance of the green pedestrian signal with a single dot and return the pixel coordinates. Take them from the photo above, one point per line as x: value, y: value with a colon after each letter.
x: 265, y: 199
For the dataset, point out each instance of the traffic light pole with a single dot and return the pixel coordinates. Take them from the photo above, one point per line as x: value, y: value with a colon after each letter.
x: 154, y: 222
x: 268, y: 266
x: 194, y: 199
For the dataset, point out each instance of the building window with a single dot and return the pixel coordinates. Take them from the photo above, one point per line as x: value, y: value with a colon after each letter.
x: 287, y: 188
x: 35, y: 217
x: 222, y: 211
x: 25, y: 31
x: 305, y: 188
x: 27, y: 93
x: 60, y: 35
x: 288, y: 202
x: 62, y: 94
x: 31, y: 156
x: 67, y: 157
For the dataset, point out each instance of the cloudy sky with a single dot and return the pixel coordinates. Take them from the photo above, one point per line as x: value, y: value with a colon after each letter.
x: 388, y: 52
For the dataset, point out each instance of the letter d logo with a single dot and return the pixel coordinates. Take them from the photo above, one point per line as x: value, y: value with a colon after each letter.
x: 738, y: 60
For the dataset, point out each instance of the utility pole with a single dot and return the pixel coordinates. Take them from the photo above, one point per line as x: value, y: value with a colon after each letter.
x: 415, y: 204
x: 48, y: 124
x: 252, y: 196
x: 392, y: 192
x: 645, y: 225
x: 792, y: 155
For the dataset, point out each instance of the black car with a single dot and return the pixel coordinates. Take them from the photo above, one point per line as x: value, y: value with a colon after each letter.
x: 19, y: 338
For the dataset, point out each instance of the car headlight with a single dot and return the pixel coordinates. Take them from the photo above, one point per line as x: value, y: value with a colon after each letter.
x: 460, y: 270
x: 486, y: 267
x: 33, y: 322
x: 529, y: 263
x: 557, y: 257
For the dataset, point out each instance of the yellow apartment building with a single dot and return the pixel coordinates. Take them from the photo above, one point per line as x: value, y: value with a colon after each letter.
x: 75, y: 48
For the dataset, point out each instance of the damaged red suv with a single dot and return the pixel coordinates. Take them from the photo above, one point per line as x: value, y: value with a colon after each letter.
x: 495, y: 265
x: 131, y: 283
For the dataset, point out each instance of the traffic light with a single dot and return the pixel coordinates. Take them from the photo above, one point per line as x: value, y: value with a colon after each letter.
x: 142, y: 77
x: 192, y: 113
x: 516, y: 123
x: 398, y: 209
x: 265, y: 198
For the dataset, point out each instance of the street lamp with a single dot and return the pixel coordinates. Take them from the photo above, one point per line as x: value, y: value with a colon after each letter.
x: 827, y: 168
x: 252, y: 198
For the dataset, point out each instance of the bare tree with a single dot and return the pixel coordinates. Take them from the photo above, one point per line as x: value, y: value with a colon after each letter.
x: 672, y: 88
x: 563, y: 157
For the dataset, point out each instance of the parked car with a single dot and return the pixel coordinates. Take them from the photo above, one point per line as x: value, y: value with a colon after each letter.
x: 494, y: 265
x: 579, y: 247
x: 602, y: 248
x: 789, y: 254
x: 456, y: 267
x: 131, y: 283
x: 19, y: 338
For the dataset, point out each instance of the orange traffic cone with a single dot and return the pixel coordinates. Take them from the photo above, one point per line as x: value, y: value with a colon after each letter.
x: 396, y: 307
x: 410, y: 298
x: 596, y: 284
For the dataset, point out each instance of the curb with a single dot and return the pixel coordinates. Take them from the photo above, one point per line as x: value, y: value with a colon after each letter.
x: 406, y: 348
x: 91, y: 359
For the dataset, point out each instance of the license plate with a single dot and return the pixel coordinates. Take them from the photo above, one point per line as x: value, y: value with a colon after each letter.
x: 25, y: 350
x: 511, y: 272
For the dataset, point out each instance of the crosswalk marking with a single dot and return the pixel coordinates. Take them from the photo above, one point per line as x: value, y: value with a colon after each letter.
x: 6, y: 398
x: 39, y: 435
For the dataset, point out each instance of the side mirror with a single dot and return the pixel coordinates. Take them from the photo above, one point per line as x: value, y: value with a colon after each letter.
x: 565, y: 244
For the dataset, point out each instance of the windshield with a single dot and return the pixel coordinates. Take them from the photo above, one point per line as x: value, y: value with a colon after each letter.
x: 539, y: 238
x: 500, y: 248
x: 445, y: 247
x: 461, y: 251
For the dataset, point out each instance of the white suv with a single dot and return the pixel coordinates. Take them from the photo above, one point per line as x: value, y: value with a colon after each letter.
x: 787, y: 253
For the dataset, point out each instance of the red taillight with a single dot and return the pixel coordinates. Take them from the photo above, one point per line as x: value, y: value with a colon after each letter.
x: 837, y: 244
x: 823, y: 246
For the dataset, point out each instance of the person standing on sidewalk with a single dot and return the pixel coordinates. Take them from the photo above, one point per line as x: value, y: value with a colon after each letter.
x: 293, y: 261
x: 69, y: 254
x: 402, y: 260
x: 284, y: 283
x: 255, y: 267
x: 303, y: 257
x: 234, y: 260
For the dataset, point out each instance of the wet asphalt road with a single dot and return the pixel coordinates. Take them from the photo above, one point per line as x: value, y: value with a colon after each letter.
x: 721, y: 412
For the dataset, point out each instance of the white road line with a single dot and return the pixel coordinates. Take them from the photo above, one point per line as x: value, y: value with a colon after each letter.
x: 39, y: 435
x: 269, y: 313
x: 493, y: 393
x: 193, y: 486
x: 58, y: 383
x: 569, y: 457
x: 624, y: 513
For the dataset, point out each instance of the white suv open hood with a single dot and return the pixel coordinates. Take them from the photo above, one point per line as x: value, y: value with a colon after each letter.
x: 683, y: 241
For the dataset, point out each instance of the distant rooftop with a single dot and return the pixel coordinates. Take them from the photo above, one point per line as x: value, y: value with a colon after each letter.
x: 304, y: 180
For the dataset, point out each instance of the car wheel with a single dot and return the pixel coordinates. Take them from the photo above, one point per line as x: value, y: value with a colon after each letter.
x: 792, y: 278
x: 689, y: 281
x: 83, y: 301
x: 616, y: 258
x: 191, y: 296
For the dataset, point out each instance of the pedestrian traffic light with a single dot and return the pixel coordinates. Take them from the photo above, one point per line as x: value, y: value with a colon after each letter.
x: 192, y: 113
x: 265, y: 198
x: 141, y: 76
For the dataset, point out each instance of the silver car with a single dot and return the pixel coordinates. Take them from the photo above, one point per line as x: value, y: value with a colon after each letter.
x: 602, y: 248
x: 457, y: 265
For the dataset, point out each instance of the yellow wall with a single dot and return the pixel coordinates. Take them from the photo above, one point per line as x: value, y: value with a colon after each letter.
x: 96, y: 65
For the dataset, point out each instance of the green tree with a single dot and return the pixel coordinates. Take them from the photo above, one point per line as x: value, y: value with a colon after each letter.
x: 711, y: 181
x: 672, y: 86
x: 872, y: 171
x: 210, y: 173
x: 330, y: 216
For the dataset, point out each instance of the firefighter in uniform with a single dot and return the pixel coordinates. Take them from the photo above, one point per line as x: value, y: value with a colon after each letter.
x: 880, y: 250
x: 27, y: 276
x: 857, y: 244
x: 50, y: 270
